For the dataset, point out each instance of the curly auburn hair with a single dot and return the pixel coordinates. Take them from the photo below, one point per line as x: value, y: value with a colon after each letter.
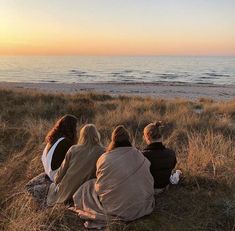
x: 64, y: 127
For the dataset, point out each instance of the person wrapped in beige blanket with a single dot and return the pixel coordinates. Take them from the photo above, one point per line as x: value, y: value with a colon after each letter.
x: 124, y: 188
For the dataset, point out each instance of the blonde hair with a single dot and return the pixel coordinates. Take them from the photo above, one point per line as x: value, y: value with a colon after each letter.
x: 120, y: 138
x: 154, y: 130
x: 89, y: 135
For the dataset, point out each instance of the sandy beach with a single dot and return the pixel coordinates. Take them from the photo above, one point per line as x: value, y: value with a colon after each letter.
x: 158, y: 90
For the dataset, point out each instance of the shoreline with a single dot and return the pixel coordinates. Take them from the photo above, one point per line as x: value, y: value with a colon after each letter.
x: 157, y: 90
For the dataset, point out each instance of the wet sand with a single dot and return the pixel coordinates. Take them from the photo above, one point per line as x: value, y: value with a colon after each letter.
x: 158, y: 90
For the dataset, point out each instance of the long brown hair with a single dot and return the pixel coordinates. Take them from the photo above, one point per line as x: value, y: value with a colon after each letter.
x: 120, y: 138
x: 64, y: 127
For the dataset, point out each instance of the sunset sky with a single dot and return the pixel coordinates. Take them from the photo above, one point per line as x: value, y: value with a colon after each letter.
x: 117, y: 27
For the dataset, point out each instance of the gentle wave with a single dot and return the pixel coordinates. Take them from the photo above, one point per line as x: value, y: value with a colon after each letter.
x: 212, y: 70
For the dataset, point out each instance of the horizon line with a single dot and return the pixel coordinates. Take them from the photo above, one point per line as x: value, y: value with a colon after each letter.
x: 125, y: 55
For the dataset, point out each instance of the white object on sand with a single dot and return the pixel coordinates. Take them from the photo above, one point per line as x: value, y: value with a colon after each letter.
x: 175, y: 178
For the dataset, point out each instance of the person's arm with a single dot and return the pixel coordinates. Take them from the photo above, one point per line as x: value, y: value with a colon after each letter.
x: 59, y: 153
x: 64, y: 167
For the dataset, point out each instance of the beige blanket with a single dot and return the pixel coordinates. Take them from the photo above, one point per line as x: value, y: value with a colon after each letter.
x: 123, y: 189
x: 78, y: 166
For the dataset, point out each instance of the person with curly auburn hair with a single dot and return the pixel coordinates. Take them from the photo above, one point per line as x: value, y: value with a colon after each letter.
x: 163, y: 160
x: 59, y: 139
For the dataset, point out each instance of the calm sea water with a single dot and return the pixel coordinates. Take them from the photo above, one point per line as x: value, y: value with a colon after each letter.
x: 70, y: 69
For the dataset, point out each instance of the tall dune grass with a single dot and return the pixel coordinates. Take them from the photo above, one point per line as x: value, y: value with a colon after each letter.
x: 201, y: 132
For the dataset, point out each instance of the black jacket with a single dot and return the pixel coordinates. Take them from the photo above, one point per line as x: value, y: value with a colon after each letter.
x: 163, y: 161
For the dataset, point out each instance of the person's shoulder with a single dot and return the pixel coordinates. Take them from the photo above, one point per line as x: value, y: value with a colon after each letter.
x: 67, y: 141
x: 137, y: 150
x: 106, y: 155
x: 102, y: 160
x: 74, y: 149
x: 146, y: 151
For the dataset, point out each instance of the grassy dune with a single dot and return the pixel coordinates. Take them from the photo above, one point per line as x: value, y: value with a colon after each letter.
x: 202, y: 133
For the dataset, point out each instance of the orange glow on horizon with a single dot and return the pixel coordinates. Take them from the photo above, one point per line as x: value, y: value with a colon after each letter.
x: 117, y: 47
x: 33, y: 30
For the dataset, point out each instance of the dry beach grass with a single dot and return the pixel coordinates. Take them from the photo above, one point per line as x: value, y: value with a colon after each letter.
x: 202, y: 133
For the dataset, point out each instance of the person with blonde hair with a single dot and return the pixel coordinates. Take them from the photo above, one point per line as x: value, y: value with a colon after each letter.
x: 78, y: 166
x: 123, y: 189
x: 162, y: 159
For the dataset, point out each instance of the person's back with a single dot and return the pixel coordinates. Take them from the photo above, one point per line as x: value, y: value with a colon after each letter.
x: 124, y: 186
x: 59, y: 139
x: 124, y: 183
x: 81, y: 157
x: 79, y: 166
x: 54, y: 155
x: 162, y: 159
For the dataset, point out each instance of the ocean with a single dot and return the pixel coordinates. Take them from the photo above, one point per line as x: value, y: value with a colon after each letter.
x: 87, y: 69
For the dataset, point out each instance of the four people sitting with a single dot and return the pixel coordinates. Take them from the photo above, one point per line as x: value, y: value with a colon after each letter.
x: 116, y: 184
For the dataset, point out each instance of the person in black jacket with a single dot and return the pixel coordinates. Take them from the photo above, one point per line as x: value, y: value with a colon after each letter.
x: 163, y: 160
